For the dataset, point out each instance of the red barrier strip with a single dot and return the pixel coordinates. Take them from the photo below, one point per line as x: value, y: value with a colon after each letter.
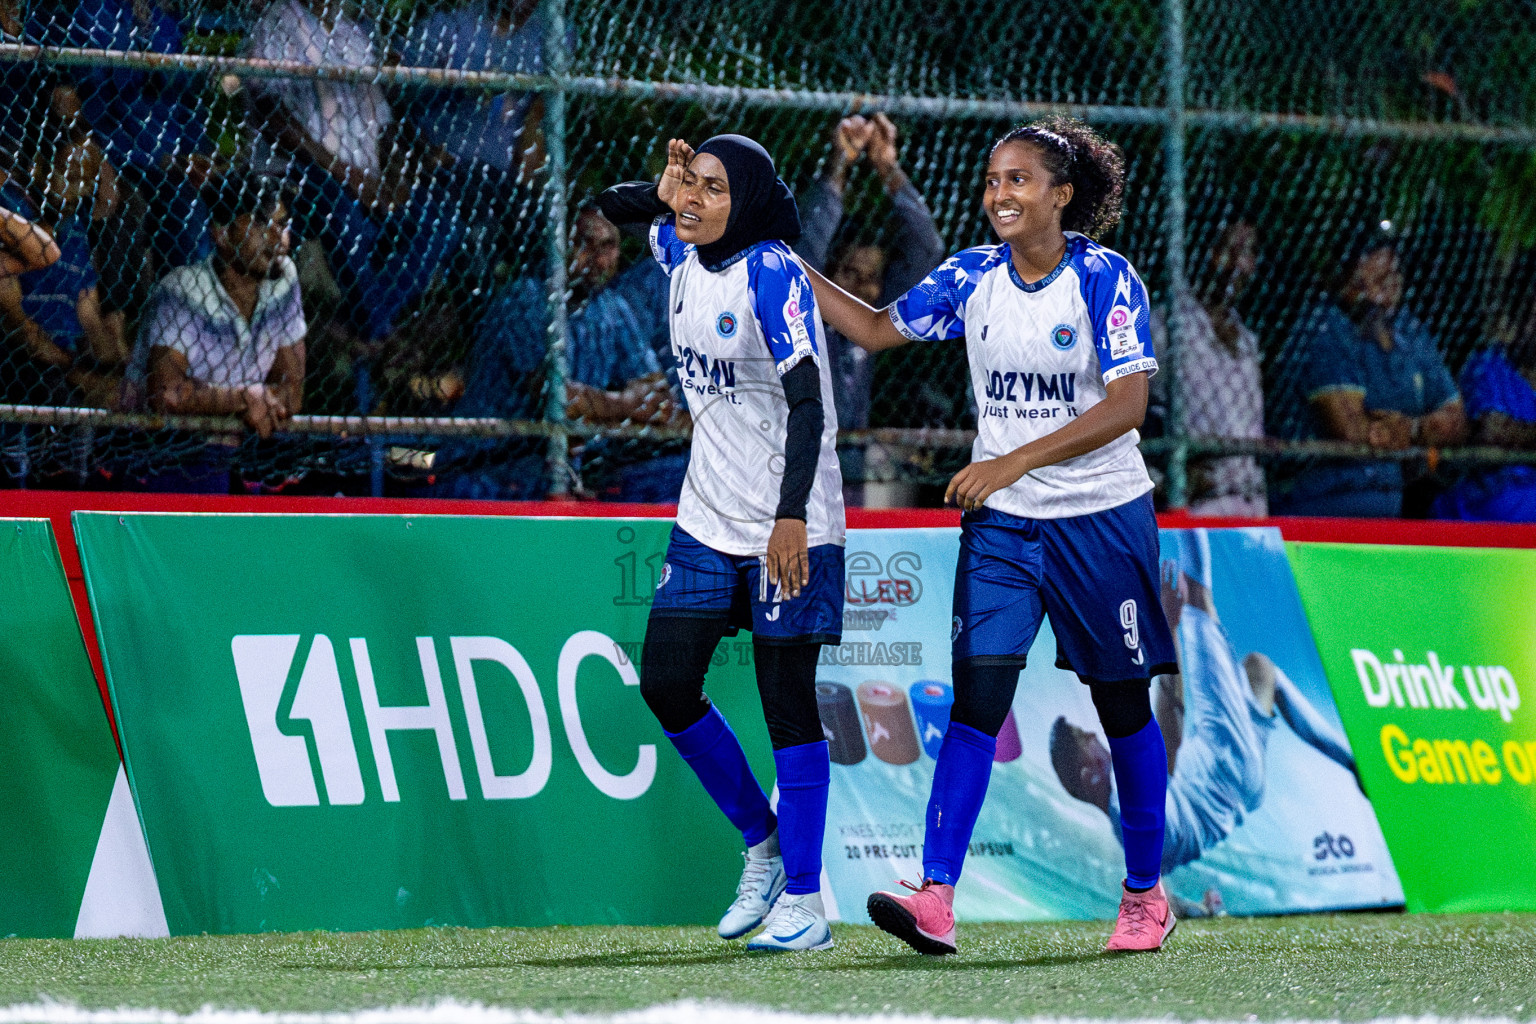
x: 57, y: 506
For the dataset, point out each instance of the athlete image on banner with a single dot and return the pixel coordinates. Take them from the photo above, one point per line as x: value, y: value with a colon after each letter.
x: 1264, y: 813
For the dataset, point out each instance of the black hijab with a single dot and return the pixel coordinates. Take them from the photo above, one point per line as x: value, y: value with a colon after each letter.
x: 762, y: 206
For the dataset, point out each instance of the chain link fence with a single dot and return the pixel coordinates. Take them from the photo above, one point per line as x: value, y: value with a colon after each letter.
x: 470, y: 329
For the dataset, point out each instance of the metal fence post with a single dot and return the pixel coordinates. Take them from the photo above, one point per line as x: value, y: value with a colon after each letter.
x: 1174, y: 212
x: 557, y: 63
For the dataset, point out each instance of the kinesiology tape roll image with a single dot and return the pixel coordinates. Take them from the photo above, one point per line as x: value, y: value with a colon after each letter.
x: 931, y: 701
x: 840, y: 723
x: 887, y: 722
x: 1008, y: 746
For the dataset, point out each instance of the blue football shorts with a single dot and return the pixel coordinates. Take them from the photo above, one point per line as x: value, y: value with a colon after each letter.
x: 699, y: 582
x: 1095, y: 575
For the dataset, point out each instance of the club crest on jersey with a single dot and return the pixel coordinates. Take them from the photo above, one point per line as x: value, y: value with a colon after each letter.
x: 666, y: 574
x: 1063, y: 336
x: 725, y: 324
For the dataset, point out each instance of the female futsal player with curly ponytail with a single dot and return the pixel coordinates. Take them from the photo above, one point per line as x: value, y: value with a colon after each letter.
x: 1057, y: 502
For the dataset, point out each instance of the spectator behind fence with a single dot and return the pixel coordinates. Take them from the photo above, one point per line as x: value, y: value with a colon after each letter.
x: 365, y: 178
x: 62, y: 349
x: 225, y: 336
x: 1222, y: 390
x: 614, y: 376
x: 1499, y: 384
x: 152, y: 127
x: 1370, y: 373
x: 494, y: 137
x: 25, y: 83
x: 854, y: 257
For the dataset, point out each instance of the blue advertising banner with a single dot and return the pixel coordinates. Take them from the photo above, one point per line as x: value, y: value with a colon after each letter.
x: 1265, y: 813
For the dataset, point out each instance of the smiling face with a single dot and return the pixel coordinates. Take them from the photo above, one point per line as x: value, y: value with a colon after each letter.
x: 704, y: 201
x: 1019, y: 197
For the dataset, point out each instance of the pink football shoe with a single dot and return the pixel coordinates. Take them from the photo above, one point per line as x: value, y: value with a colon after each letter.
x: 924, y: 920
x: 1145, y: 920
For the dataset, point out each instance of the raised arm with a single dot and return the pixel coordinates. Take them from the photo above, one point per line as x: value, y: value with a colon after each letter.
x: 633, y: 205
x: 917, y: 248
x: 821, y: 205
x: 867, y: 327
x: 24, y: 246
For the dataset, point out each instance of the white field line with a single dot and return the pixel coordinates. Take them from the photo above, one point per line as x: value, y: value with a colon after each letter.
x: 451, y: 1012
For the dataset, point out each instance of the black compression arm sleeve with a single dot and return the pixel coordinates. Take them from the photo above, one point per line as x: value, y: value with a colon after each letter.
x: 802, y: 438
x: 632, y: 205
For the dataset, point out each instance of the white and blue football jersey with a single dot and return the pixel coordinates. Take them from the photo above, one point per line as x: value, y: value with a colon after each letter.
x: 735, y: 332
x: 1040, y: 355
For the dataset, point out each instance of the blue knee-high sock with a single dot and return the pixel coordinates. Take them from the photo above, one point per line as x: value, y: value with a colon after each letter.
x: 713, y: 752
x: 959, y: 787
x: 1141, y: 778
x: 804, y: 775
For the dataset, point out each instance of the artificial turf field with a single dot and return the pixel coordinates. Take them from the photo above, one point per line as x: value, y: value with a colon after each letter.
x: 1328, y: 967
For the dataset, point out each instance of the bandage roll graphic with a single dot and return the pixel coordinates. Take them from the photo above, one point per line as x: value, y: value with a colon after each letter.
x: 887, y: 722
x: 931, y: 701
x: 1008, y: 746
x: 840, y: 723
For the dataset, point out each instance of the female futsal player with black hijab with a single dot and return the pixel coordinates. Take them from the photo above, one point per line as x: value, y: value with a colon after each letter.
x: 758, y: 542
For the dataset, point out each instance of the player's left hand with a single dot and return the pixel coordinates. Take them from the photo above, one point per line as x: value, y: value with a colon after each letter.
x: 977, y: 482
x: 789, y: 560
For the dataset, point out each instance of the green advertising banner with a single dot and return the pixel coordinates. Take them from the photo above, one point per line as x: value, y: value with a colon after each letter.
x: 356, y: 722
x: 1429, y: 652
x: 73, y: 853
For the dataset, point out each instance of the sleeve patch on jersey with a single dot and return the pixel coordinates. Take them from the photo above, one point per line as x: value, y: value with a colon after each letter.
x: 1147, y: 366
x: 795, y: 316
x: 1123, y: 339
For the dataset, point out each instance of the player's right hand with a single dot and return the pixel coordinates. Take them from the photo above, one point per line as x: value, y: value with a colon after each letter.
x: 789, y: 560
x: 851, y: 136
x: 679, y: 156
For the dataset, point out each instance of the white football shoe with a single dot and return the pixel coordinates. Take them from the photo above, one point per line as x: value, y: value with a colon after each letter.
x: 797, y: 923
x: 762, y: 880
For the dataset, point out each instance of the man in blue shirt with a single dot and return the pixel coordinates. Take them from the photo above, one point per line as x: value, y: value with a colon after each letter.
x: 1499, y: 383
x: 151, y: 125
x: 614, y: 374
x: 1370, y: 374
x: 498, y: 130
x: 64, y: 349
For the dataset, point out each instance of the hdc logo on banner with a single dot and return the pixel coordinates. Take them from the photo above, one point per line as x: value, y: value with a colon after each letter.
x: 263, y: 664
x: 430, y: 722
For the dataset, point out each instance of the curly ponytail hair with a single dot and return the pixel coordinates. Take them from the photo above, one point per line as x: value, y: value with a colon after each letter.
x: 1077, y: 155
